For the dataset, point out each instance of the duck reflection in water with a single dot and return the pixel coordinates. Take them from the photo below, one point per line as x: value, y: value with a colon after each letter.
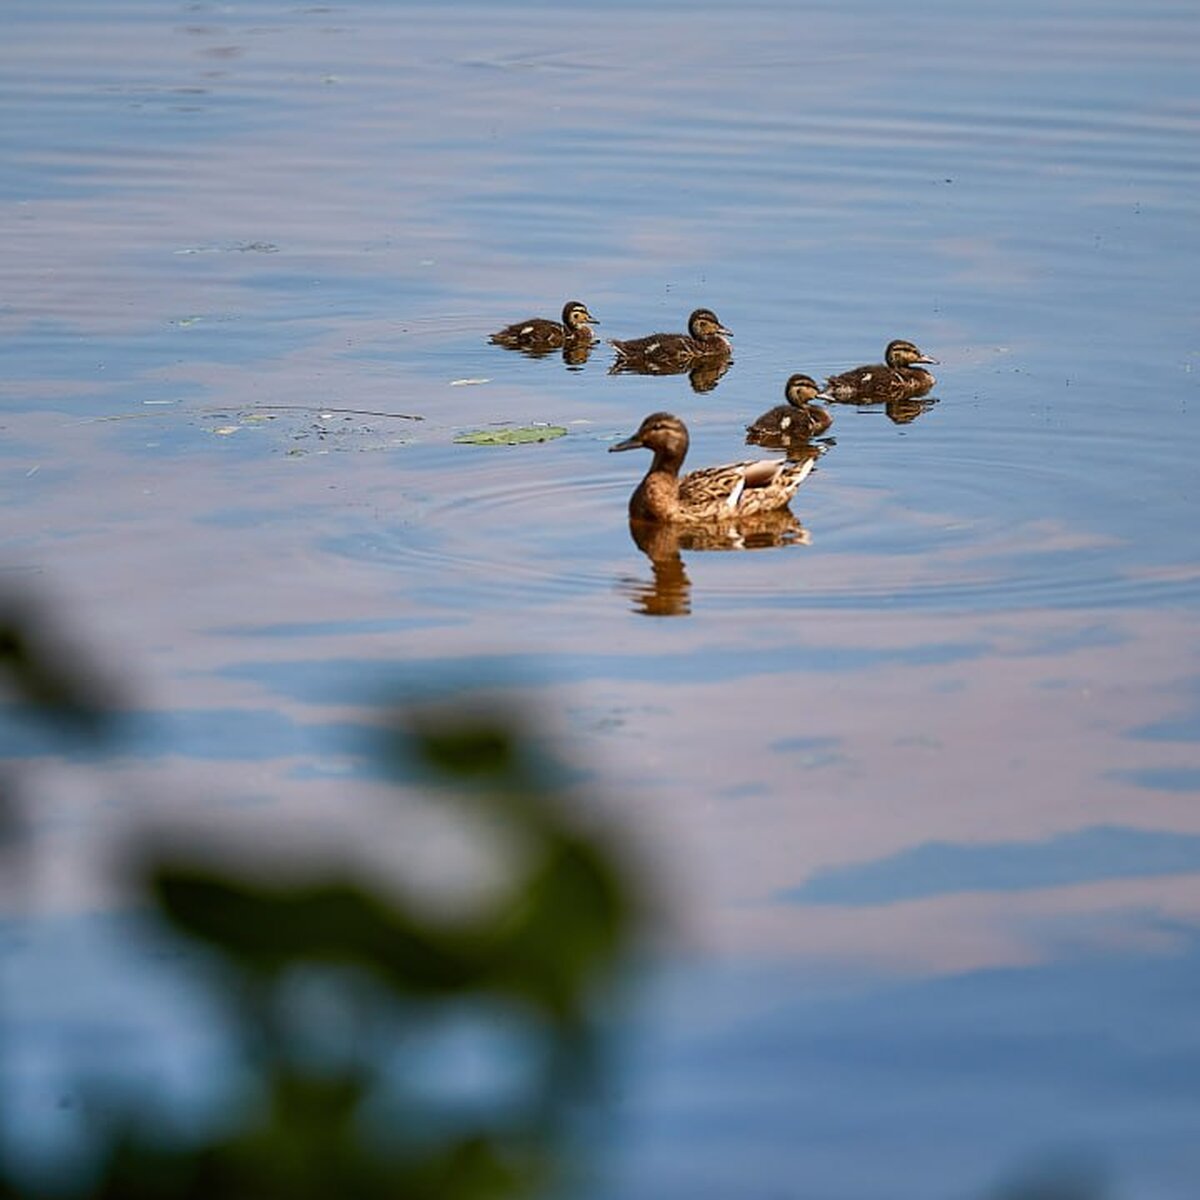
x: 669, y: 592
x: 703, y: 353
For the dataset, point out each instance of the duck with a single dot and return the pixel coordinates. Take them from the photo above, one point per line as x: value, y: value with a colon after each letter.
x: 539, y: 335
x: 711, y: 494
x: 672, y: 353
x: 797, y: 420
x: 896, y: 378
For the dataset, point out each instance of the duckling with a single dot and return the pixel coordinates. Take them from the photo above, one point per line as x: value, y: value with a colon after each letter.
x: 895, y: 379
x: 672, y: 353
x: 711, y: 494
x: 539, y: 335
x: 797, y: 420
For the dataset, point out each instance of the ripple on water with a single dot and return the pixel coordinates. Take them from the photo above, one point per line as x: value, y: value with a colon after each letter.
x: 936, y: 523
x: 1004, y: 519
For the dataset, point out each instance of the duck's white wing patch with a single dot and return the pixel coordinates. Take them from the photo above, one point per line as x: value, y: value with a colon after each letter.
x: 736, y: 494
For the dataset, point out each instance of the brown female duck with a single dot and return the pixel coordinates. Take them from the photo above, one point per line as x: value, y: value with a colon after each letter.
x: 897, y: 378
x: 797, y: 420
x: 671, y: 353
x: 712, y: 494
x: 539, y: 334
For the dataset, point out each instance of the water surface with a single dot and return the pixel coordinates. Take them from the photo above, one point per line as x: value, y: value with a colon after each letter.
x: 921, y: 785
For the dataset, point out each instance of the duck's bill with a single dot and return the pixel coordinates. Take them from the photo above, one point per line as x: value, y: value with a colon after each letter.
x: 925, y: 358
x: 630, y: 443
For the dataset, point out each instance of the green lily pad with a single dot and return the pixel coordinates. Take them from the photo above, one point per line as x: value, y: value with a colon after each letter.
x: 512, y: 436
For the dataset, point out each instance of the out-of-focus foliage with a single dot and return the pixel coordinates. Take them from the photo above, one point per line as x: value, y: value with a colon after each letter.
x: 38, y: 669
x: 333, y: 1111
x: 337, y: 1107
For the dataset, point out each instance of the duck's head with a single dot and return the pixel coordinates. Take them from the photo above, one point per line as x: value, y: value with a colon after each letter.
x: 800, y: 389
x: 904, y: 354
x: 661, y: 432
x: 703, y: 323
x: 575, y: 315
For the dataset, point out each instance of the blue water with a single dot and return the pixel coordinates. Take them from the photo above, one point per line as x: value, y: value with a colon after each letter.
x: 921, y: 786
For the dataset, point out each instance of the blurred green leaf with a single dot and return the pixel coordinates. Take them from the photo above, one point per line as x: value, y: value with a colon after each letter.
x: 537, y: 947
x: 476, y: 750
x: 45, y: 673
x: 564, y: 928
x: 265, y: 929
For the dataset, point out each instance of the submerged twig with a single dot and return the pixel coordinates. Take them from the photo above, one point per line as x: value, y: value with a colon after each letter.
x: 355, y: 412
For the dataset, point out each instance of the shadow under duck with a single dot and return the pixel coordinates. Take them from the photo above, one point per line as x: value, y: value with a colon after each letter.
x: 797, y: 420
x: 672, y: 353
x: 897, y: 378
x: 539, y: 335
x: 711, y: 494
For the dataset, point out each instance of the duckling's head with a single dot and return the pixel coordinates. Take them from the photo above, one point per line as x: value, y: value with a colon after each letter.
x: 661, y: 432
x: 703, y: 323
x: 800, y: 389
x: 575, y: 315
x: 904, y: 354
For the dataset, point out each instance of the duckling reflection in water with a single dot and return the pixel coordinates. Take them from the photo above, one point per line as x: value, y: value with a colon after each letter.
x: 705, y: 373
x: 674, y: 353
x: 904, y: 412
x: 539, y: 336
x: 711, y: 495
x: 795, y: 422
x: 897, y: 378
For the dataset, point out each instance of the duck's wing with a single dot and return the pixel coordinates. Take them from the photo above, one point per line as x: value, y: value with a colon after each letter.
x: 756, y: 486
x: 777, y: 420
x: 714, y: 488
x: 663, y: 349
x: 771, y: 483
x: 535, y: 331
x: 849, y: 384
